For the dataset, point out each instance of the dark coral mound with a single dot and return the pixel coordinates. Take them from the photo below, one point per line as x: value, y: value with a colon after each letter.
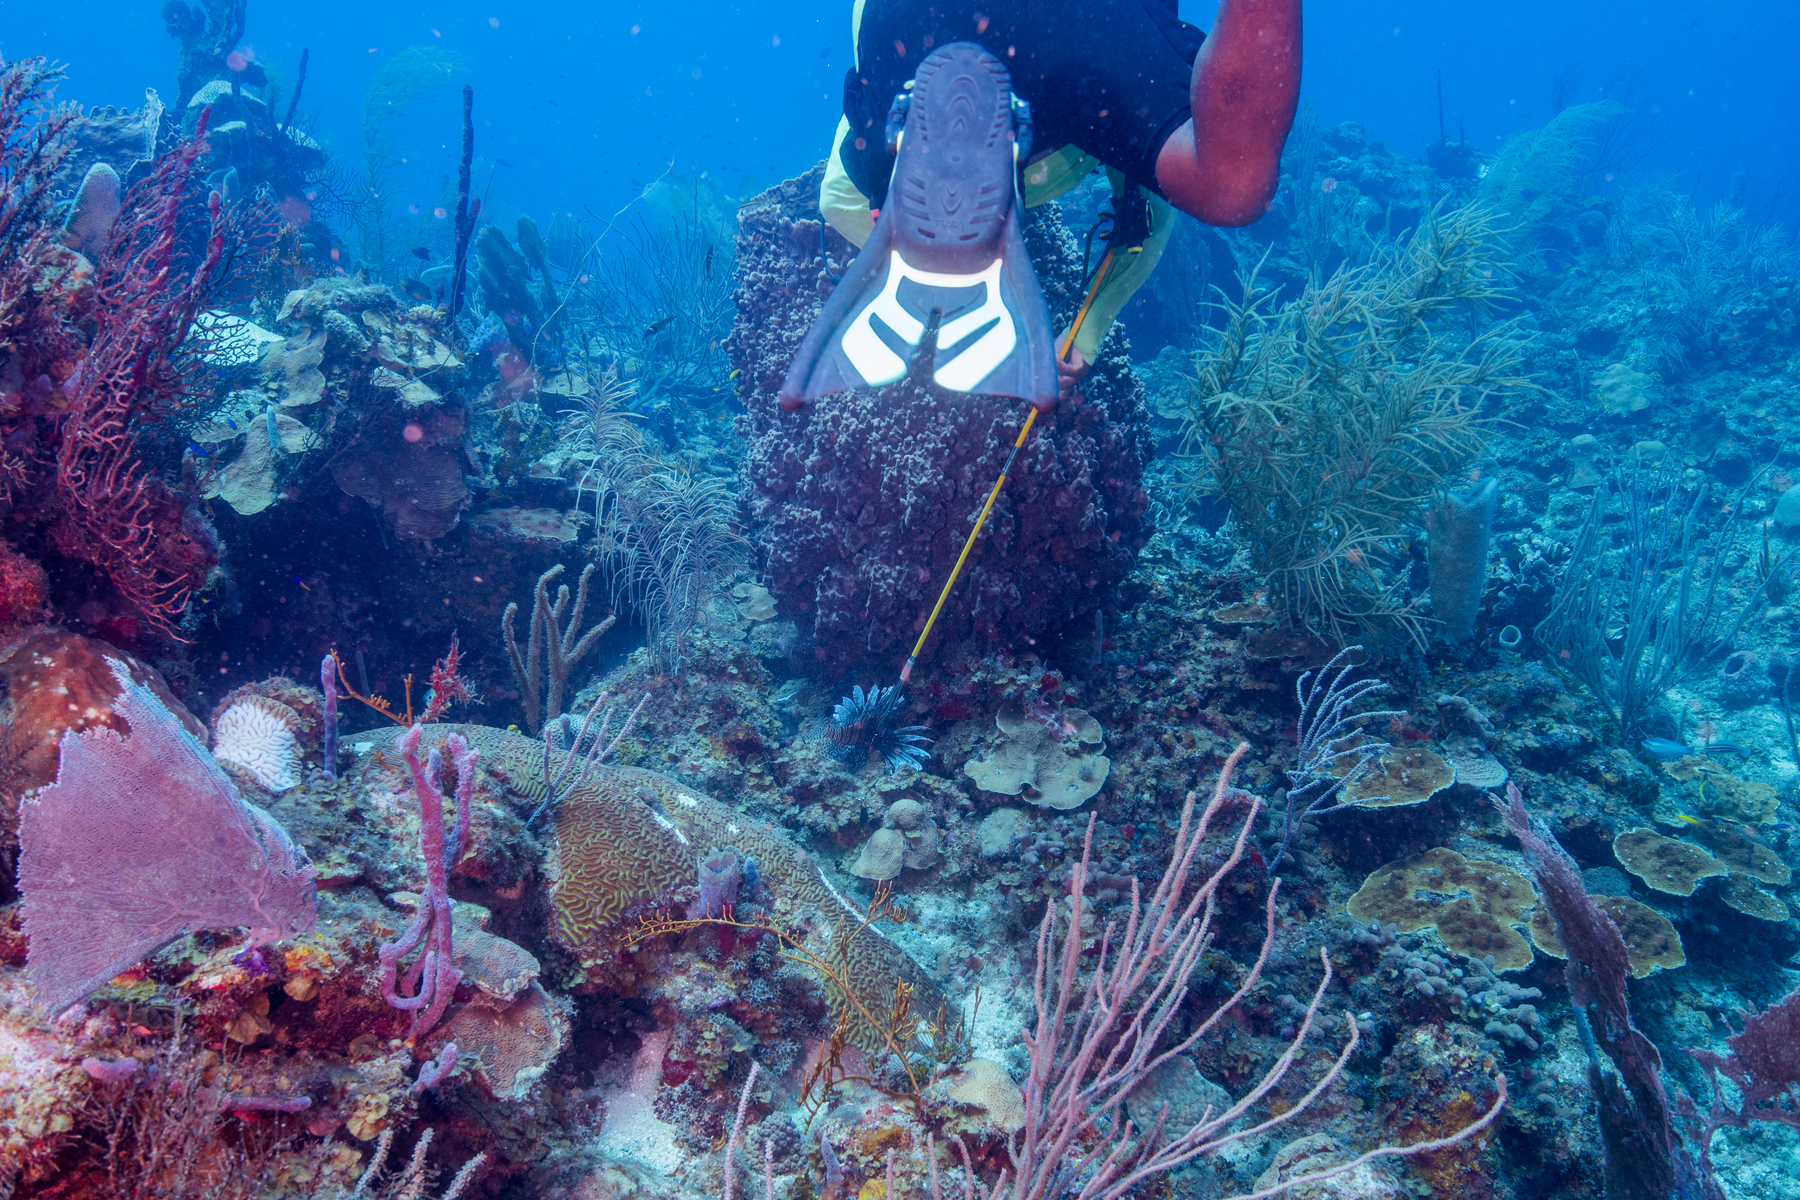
x: 862, y: 501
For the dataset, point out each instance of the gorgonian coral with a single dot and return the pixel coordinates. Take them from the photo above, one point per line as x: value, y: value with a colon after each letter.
x: 96, y: 353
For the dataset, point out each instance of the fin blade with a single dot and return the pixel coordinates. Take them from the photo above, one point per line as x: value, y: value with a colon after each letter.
x: 1028, y: 369
x: 820, y: 366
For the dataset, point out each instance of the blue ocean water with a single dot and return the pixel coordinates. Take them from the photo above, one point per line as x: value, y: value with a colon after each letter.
x: 587, y: 102
x: 563, y: 732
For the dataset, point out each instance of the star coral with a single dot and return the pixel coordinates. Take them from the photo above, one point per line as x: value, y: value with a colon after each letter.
x: 1651, y: 942
x: 1664, y: 863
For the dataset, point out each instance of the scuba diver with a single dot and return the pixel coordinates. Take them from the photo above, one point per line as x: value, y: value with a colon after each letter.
x: 956, y: 117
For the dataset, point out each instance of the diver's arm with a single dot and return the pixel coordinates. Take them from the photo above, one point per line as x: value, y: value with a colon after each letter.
x: 1224, y: 164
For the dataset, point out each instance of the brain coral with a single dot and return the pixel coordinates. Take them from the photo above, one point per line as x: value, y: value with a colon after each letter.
x: 862, y: 501
x: 1473, y: 905
x: 257, y: 734
x: 629, y: 838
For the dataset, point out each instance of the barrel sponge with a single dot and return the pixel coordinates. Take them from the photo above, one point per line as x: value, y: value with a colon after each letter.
x: 861, y: 501
x: 1459, y: 524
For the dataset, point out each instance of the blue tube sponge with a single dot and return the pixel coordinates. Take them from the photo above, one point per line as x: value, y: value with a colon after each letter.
x: 1459, y: 524
x: 720, y: 876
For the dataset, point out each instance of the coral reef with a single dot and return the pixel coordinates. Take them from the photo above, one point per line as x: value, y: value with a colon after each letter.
x: 718, y: 917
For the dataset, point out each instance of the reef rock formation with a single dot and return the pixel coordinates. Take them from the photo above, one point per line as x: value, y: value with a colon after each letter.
x: 862, y: 500
x: 628, y: 840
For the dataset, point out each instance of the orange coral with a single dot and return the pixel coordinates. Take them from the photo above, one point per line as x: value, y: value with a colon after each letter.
x: 59, y: 680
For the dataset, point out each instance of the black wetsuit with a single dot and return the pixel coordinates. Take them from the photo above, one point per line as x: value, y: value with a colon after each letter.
x: 1110, y: 77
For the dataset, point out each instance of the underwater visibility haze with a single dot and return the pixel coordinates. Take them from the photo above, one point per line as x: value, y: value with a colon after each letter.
x: 1110, y: 599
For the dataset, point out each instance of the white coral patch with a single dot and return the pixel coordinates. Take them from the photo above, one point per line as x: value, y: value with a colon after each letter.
x: 258, y: 740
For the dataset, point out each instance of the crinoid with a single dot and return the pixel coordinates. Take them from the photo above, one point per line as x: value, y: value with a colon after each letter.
x: 864, y: 721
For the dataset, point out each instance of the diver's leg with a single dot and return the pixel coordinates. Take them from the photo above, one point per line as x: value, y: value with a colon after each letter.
x: 1223, y: 166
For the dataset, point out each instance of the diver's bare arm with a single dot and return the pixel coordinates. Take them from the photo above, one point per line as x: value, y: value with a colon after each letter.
x: 1245, y: 88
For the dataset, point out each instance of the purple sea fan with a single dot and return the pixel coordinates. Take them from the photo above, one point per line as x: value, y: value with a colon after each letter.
x: 140, y: 840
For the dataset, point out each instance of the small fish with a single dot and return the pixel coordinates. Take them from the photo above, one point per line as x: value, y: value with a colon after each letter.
x: 506, y: 164
x: 301, y: 582
x: 1528, y: 193
x: 1687, y: 820
x: 422, y: 252
x: 1724, y: 748
x: 709, y: 254
x: 1664, y: 748
x: 658, y: 325
x: 415, y: 289
x: 825, y: 53
x: 734, y: 372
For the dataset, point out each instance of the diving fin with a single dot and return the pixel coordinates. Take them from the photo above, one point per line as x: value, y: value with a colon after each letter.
x: 948, y: 242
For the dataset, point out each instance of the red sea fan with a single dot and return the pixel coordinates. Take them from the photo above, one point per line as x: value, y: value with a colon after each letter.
x: 140, y: 840
x: 37, y: 342
x: 1764, y: 1063
x: 148, y: 537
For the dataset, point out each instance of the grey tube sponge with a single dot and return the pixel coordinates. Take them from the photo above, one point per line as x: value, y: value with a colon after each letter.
x: 1460, y: 525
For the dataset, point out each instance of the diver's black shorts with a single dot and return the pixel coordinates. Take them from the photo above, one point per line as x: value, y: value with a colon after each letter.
x: 1108, y: 76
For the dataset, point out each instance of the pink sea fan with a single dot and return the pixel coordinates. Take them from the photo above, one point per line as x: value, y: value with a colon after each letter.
x: 140, y: 840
